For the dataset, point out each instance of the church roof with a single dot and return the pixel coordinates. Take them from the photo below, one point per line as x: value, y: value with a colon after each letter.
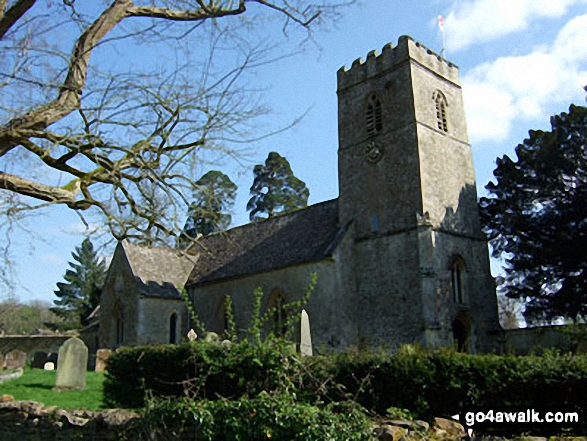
x: 159, y: 271
x: 301, y: 236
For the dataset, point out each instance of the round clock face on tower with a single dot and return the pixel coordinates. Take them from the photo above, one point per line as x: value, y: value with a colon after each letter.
x: 373, y: 152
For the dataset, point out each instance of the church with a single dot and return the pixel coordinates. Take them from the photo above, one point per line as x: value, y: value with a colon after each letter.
x: 399, y: 256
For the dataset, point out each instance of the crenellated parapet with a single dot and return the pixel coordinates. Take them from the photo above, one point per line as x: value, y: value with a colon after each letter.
x: 406, y: 50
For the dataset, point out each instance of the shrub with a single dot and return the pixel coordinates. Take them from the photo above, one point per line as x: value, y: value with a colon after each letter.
x: 199, y: 370
x: 267, y: 416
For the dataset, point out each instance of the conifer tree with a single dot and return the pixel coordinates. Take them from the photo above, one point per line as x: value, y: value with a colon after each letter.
x: 275, y: 189
x: 536, y: 217
x: 80, y: 294
x: 214, y: 196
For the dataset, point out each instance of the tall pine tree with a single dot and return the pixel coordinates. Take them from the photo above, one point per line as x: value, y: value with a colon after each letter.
x: 275, y: 189
x: 80, y: 295
x: 214, y: 196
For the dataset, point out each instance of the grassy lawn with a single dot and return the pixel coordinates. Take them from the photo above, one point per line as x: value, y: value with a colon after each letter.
x: 38, y: 384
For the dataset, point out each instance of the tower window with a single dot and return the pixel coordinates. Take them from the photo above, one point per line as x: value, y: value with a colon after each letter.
x: 441, y: 105
x: 373, y: 115
x: 458, y: 281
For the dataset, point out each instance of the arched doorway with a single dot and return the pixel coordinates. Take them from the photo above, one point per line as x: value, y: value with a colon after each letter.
x: 461, y: 333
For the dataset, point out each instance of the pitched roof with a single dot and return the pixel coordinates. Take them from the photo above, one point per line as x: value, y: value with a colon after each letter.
x: 305, y: 235
x: 158, y: 271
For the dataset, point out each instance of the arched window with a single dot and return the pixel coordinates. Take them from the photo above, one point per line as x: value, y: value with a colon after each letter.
x: 373, y: 115
x: 119, y: 321
x: 173, y: 328
x: 441, y: 105
x: 278, y: 313
x: 458, y: 281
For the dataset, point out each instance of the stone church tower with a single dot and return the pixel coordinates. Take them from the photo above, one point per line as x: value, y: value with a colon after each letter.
x: 418, y: 268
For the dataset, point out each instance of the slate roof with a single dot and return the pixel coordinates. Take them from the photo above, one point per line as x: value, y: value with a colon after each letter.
x: 301, y: 236
x: 158, y: 271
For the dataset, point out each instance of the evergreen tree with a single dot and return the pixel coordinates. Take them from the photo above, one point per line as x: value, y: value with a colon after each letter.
x: 80, y: 295
x: 214, y: 197
x: 275, y: 189
x: 536, y: 217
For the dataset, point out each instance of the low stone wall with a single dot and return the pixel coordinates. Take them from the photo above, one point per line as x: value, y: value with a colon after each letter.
x: 534, y: 340
x: 32, y: 343
x: 31, y: 421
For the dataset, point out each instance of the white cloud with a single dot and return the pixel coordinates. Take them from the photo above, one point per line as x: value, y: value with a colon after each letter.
x: 481, y: 21
x: 523, y: 87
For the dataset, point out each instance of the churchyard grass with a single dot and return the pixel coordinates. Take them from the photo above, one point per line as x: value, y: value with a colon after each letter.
x: 38, y: 385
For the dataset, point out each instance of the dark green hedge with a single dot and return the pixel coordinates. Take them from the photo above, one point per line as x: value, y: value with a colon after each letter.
x: 444, y: 383
x: 428, y: 384
x: 199, y: 370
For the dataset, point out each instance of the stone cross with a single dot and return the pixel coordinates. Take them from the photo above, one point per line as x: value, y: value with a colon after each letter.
x: 192, y: 335
x: 72, y: 364
x: 15, y: 359
x: 305, y: 335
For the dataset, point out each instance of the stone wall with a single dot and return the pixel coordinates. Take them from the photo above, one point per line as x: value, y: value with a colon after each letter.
x: 32, y: 343
x: 527, y: 340
x: 28, y: 420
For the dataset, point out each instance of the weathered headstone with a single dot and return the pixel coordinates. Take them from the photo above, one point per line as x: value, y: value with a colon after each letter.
x: 192, y: 335
x: 102, y: 356
x: 49, y: 366
x: 305, y: 335
x: 15, y: 359
x: 73, y: 360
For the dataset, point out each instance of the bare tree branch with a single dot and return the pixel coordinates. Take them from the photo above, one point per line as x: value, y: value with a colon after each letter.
x: 12, y: 15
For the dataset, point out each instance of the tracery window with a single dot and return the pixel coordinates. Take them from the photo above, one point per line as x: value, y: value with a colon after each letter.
x: 441, y: 105
x: 373, y: 115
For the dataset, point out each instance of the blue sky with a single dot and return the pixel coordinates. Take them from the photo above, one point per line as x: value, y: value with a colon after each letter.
x: 520, y: 62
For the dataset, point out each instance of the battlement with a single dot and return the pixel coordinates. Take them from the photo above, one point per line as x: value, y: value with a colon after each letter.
x: 390, y: 57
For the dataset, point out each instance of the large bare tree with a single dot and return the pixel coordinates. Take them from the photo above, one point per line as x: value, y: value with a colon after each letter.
x: 106, y: 106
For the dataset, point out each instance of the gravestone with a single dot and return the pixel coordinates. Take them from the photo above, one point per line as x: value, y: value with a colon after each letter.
x: 102, y: 356
x: 305, y: 335
x: 73, y: 360
x: 49, y: 366
x: 192, y: 335
x: 39, y: 360
x: 15, y: 359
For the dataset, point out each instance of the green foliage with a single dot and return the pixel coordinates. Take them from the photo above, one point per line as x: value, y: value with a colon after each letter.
x: 536, y: 217
x: 17, y: 318
x: 200, y: 369
x: 81, y: 294
x: 443, y: 383
x: 275, y: 189
x: 266, y: 416
x: 214, y: 195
